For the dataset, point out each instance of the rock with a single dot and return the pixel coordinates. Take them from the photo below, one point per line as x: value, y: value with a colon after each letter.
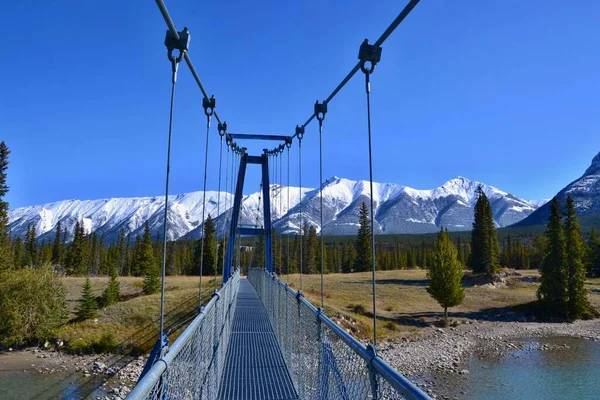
x: 87, y: 375
x: 440, y: 330
x: 46, y: 345
x: 98, y: 366
x: 464, y: 372
x: 10, y: 349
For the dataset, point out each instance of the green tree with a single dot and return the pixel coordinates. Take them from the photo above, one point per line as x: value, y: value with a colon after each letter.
x: 30, y: 246
x: 577, y: 303
x: 112, y: 292
x: 485, y: 248
x: 593, y: 254
x: 445, y: 274
x: 146, y: 263
x: 5, y: 253
x: 58, y: 248
x: 32, y: 305
x: 363, y: 241
x: 76, y: 255
x: 553, y: 278
x: 88, y: 307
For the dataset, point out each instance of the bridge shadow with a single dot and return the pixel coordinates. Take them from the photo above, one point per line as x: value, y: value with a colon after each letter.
x: 520, y: 313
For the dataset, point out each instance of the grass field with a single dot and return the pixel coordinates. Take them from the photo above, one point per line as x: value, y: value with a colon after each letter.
x: 134, y: 321
x: 403, y: 305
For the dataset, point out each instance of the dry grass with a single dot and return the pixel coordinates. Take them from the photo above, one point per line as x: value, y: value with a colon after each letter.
x: 404, y: 306
x: 134, y: 320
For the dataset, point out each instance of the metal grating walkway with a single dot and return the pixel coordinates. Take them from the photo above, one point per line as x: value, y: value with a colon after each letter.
x: 254, y: 367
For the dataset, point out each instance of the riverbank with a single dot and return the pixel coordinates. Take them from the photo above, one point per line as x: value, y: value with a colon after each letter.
x: 440, y: 352
x: 40, y: 373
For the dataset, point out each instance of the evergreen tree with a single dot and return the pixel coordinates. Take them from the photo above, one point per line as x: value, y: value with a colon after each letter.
x: 146, y: 263
x: 30, y: 246
x: 363, y: 241
x: 88, y: 307
x: 5, y: 253
x: 112, y: 292
x: 210, y: 247
x: 485, y: 247
x: 258, y: 253
x: 593, y: 255
x: 445, y: 274
x: 18, y: 253
x: 578, y: 305
x: 58, y: 246
x: 311, y: 252
x: 76, y: 256
x: 553, y: 280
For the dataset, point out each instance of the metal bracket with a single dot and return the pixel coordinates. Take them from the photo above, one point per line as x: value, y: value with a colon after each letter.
x: 209, y: 105
x: 173, y: 43
x: 368, y: 53
x: 372, y: 377
x: 222, y: 128
x: 320, y: 110
x: 299, y: 132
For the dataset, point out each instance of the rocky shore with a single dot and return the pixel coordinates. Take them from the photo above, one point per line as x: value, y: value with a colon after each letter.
x: 445, y: 350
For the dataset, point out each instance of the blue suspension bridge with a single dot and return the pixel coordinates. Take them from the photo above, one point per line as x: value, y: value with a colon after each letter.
x: 257, y: 338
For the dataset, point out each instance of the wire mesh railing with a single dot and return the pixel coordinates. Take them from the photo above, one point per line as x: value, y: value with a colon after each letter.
x: 193, y: 366
x: 324, y: 361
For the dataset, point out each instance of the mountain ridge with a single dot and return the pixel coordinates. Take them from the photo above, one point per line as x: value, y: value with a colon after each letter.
x: 398, y: 209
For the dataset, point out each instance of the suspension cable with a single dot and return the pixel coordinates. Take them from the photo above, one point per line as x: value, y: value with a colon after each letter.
x: 288, y: 144
x: 222, y: 128
x: 181, y: 44
x: 370, y: 54
x: 226, y: 200
x: 280, y: 210
x: 300, y: 135
x: 209, y: 109
x: 320, y: 111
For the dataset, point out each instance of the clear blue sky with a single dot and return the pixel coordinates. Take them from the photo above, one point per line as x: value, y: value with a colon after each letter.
x: 505, y: 92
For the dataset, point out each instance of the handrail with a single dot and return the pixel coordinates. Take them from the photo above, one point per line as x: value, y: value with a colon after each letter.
x: 143, y: 388
x: 396, y: 380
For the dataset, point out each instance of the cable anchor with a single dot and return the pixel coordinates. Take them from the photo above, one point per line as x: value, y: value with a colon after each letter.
x: 288, y: 142
x: 209, y: 105
x: 222, y: 128
x: 368, y: 53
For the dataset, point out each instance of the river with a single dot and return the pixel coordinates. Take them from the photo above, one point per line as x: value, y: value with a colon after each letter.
x: 542, y: 369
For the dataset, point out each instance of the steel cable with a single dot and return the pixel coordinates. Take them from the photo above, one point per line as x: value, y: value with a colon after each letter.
x: 203, y: 230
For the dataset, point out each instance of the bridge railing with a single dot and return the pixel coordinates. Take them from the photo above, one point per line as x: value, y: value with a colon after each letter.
x: 193, y: 365
x: 324, y: 361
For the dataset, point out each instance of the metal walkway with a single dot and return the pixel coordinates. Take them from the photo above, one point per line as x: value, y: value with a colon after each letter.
x: 254, y: 366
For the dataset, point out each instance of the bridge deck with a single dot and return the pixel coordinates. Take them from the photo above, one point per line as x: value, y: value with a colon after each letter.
x: 254, y: 367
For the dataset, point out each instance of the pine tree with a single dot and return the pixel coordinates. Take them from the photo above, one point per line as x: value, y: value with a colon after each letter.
x: 258, y: 253
x: 210, y: 247
x: 145, y: 262
x: 88, y: 307
x: 553, y: 280
x: 58, y: 246
x: 112, y: 292
x: 577, y: 305
x: 76, y: 255
x: 18, y: 252
x: 30, y: 246
x: 363, y: 241
x: 485, y: 248
x: 593, y: 255
x: 5, y: 253
x: 445, y: 274
x: 311, y: 254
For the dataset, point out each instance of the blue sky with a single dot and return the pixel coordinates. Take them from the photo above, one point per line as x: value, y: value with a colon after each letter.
x: 501, y: 92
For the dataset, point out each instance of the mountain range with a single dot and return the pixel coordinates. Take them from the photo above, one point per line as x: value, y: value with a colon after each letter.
x: 398, y: 209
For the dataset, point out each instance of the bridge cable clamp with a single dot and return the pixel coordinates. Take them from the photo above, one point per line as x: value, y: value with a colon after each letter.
x: 368, y: 53
x: 182, y: 44
x: 209, y: 105
x: 288, y: 142
x: 299, y: 132
x: 222, y: 128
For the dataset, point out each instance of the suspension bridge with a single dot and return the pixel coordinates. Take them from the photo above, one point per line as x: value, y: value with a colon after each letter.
x: 257, y: 338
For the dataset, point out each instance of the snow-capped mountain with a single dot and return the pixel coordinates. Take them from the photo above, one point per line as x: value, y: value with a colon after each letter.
x: 584, y: 191
x: 401, y: 209
x: 398, y: 209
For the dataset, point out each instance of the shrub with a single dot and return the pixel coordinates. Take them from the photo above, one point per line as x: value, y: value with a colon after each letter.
x: 32, y: 305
